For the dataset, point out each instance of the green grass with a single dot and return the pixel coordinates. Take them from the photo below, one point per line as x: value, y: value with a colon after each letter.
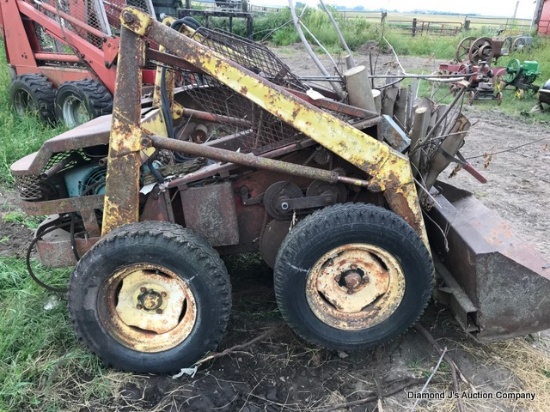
x: 19, y: 136
x: 16, y: 216
x: 42, y: 367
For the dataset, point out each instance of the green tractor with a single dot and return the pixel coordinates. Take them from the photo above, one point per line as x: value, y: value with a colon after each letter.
x: 522, y: 76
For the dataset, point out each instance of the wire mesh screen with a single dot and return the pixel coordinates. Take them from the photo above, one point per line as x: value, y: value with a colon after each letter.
x: 260, y: 130
x: 34, y: 188
x: 251, y: 55
x: 91, y: 20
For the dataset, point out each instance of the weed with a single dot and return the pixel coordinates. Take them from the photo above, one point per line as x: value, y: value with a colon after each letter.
x: 16, y: 216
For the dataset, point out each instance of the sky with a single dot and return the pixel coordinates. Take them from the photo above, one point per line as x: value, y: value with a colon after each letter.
x: 504, y: 8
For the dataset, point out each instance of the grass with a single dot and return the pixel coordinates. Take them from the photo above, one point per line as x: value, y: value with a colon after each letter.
x: 42, y: 367
x: 16, y: 216
x: 521, y: 365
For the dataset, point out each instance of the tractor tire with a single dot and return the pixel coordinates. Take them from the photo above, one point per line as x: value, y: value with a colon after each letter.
x: 35, y: 94
x: 78, y: 102
x: 150, y: 297
x: 352, y: 276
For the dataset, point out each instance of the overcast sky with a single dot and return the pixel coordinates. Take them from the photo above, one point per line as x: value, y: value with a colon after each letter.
x: 503, y: 8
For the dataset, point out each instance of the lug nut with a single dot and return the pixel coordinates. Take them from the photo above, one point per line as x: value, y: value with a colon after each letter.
x: 159, y: 311
x: 163, y: 294
x: 143, y: 289
x: 138, y: 306
x: 352, y: 280
x: 128, y: 17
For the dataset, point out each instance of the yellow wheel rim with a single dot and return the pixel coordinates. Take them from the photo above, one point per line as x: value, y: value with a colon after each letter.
x: 147, y: 307
x: 355, y: 286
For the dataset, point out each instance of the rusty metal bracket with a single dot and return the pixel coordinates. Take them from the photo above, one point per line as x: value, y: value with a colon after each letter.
x: 309, y: 202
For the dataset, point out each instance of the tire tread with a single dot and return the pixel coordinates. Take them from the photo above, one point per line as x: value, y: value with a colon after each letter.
x: 334, y: 216
x: 165, y: 234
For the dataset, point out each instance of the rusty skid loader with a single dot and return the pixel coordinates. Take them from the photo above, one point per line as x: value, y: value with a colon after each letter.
x: 244, y: 159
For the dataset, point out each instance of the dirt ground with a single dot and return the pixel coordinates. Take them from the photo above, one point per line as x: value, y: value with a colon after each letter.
x: 280, y: 372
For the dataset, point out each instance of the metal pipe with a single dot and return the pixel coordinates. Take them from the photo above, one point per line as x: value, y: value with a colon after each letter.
x: 56, y: 168
x: 389, y: 76
x: 216, y: 118
x: 58, y: 57
x: 249, y: 160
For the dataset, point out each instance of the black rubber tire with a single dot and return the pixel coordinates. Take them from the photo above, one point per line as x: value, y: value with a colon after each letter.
x: 33, y: 93
x: 173, y: 247
x: 191, y: 22
x: 339, y: 225
x: 88, y: 94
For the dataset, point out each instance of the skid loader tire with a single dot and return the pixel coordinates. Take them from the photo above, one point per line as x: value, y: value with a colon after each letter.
x: 33, y: 94
x: 389, y: 270
x: 78, y: 102
x: 125, y: 296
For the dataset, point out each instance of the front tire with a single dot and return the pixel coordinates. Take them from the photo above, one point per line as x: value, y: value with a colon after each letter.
x: 352, y: 276
x: 78, y: 102
x: 150, y: 298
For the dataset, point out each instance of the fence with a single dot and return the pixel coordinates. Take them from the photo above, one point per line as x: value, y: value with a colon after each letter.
x: 418, y: 24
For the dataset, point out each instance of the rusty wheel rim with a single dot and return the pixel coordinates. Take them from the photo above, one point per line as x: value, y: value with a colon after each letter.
x: 355, y: 286
x: 147, y: 307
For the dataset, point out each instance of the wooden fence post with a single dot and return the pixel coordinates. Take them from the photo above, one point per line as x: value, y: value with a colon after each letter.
x: 414, y: 27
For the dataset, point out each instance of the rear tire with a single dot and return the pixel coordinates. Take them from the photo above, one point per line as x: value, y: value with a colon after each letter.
x: 33, y: 94
x: 150, y: 297
x: 81, y: 101
x: 352, y: 276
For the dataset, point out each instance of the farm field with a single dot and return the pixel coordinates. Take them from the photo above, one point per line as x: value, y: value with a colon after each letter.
x: 44, y: 368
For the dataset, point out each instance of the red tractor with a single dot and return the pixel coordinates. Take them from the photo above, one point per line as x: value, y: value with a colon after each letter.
x: 62, y: 56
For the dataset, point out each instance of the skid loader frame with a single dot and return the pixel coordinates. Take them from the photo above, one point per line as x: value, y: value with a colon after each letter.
x: 389, y: 170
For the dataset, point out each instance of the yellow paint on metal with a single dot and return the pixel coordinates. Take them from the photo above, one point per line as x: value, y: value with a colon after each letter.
x: 135, y: 20
x: 168, y: 82
x: 153, y: 123
x: 389, y: 169
x: 141, y: 303
x: 125, y: 137
x: 159, y: 328
x: 121, y: 203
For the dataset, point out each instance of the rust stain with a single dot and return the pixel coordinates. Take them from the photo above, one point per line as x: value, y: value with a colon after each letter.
x: 144, y: 306
x: 350, y: 290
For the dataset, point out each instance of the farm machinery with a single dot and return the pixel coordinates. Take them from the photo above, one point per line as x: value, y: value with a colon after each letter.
x: 521, y: 76
x: 63, y: 56
x: 474, y: 58
x: 250, y: 158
